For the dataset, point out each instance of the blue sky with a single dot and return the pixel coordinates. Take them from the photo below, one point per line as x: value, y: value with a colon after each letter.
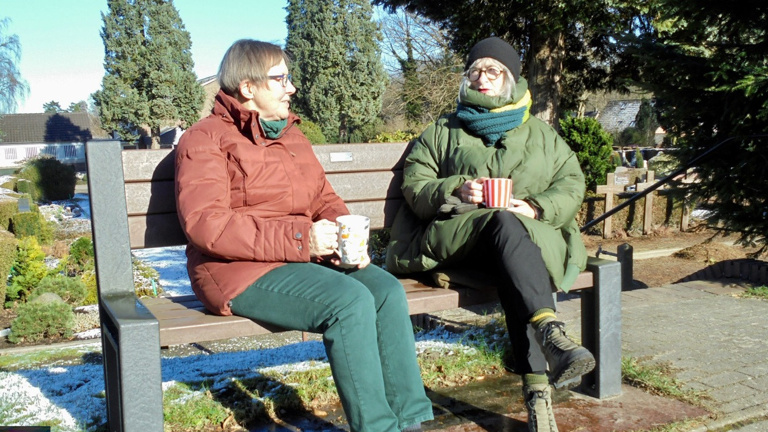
x: 62, y: 52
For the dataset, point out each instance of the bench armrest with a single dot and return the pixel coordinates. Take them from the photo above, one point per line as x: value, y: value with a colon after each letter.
x: 132, y: 375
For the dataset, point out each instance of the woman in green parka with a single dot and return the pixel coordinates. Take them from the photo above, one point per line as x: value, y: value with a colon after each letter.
x: 531, y: 248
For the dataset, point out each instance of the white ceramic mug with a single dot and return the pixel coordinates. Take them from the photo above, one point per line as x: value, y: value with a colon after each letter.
x: 353, y: 238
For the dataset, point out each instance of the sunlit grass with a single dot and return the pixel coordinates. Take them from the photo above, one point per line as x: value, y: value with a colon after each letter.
x: 657, y: 379
x: 760, y: 292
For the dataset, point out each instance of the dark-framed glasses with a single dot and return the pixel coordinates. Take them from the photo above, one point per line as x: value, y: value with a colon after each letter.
x: 491, y: 73
x: 283, y: 79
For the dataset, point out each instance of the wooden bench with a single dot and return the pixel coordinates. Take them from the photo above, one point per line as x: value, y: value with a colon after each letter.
x: 133, y: 207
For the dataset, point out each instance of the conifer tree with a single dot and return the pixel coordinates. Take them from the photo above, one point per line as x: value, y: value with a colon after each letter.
x: 336, y: 64
x: 149, y: 82
x: 705, y: 62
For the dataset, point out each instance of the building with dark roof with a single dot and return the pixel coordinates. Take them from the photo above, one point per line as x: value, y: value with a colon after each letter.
x: 40, y: 128
x: 61, y: 135
x: 619, y: 115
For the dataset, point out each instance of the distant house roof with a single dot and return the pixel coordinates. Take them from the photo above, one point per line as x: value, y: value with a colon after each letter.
x: 49, y: 128
x: 619, y: 115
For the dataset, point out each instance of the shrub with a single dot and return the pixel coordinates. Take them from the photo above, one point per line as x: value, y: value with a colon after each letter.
x: 8, y: 208
x: 32, y: 224
x: 37, y: 320
x: 393, y: 137
x: 92, y: 292
x: 7, y: 258
x: 593, y: 147
x: 80, y: 255
x: 639, y: 162
x: 71, y: 289
x: 313, y: 132
x: 629, y: 137
x: 49, y: 179
x: 24, y: 186
x: 28, y: 270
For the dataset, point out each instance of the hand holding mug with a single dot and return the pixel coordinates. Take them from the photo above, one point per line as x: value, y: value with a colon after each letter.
x: 471, y: 191
x: 323, y: 238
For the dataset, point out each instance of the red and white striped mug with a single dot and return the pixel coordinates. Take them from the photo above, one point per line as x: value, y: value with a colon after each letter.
x: 497, y: 192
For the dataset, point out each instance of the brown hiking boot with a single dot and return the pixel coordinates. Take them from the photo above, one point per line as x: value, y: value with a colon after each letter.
x: 567, y: 359
x: 538, y: 402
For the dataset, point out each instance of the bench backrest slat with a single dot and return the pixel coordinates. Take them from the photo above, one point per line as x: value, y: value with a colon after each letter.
x: 366, y: 176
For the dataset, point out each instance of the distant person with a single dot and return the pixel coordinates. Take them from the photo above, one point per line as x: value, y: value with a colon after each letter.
x: 259, y: 214
x: 531, y: 248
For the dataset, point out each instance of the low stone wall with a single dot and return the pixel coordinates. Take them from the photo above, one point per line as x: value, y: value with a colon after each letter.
x: 751, y: 270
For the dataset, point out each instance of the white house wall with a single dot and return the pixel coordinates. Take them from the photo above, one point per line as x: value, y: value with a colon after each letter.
x: 11, y: 155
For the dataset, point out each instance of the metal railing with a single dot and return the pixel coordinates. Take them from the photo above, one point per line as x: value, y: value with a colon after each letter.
x: 683, y: 168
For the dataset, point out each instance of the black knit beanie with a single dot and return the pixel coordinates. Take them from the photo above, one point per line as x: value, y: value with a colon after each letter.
x: 496, y: 49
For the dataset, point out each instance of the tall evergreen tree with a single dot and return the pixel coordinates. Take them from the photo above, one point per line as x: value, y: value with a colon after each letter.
x: 149, y: 81
x: 706, y: 62
x: 337, y: 64
x: 52, y: 107
x: 12, y: 87
x: 568, y: 46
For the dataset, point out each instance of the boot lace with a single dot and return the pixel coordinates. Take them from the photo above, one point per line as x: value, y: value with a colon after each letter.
x: 552, y: 330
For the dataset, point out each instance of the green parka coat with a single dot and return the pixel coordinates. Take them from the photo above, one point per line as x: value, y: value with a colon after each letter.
x: 542, y: 167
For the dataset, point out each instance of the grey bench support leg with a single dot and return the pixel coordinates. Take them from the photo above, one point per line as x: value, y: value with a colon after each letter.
x: 601, y: 328
x: 130, y: 334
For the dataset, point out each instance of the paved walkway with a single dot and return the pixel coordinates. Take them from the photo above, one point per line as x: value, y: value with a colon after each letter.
x: 714, y: 341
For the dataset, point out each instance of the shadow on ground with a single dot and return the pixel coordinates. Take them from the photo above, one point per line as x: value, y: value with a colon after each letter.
x: 496, y: 405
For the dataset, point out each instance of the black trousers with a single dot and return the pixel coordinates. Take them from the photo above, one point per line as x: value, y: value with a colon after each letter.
x: 506, y: 252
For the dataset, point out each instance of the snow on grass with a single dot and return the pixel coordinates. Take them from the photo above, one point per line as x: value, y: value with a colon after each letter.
x: 72, y: 397
x: 171, y: 264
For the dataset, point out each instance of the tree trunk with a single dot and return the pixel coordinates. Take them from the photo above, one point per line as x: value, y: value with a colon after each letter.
x: 155, y: 134
x: 544, y: 73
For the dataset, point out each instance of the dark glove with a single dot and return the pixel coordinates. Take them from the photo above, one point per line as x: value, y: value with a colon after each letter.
x: 454, y: 207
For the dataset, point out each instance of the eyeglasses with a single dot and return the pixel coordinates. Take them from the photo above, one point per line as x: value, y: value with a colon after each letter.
x: 284, y: 78
x: 491, y: 73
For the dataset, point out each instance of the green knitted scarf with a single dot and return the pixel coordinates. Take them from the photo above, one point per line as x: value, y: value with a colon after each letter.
x: 491, y: 117
x: 273, y: 128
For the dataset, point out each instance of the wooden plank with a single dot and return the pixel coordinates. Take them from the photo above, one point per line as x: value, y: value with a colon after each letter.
x: 159, y: 195
x: 583, y: 280
x: 185, y: 320
x: 160, y: 230
x: 155, y: 231
x: 142, y: 165
x: 360, y: 157
x: 150, y: 198
x: 370, y: 185
x: 182, y: 331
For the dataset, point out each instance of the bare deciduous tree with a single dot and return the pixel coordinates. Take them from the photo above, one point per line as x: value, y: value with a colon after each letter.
x: 424, y: 71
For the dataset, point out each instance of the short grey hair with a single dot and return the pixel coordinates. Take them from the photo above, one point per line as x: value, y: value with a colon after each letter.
x: 248, y: 60
x: 509, y: 80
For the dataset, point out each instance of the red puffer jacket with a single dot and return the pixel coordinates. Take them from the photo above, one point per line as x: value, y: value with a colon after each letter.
x: 246, y: 202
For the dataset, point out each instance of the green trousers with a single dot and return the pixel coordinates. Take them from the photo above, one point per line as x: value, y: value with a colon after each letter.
x: 363, y: 317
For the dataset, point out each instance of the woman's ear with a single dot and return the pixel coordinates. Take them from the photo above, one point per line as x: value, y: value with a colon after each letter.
x: 246, y: 90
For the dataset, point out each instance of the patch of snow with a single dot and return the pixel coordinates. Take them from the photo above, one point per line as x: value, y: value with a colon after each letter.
x: 88, y: 334
x: 74, y: 394
x: 171, y: 264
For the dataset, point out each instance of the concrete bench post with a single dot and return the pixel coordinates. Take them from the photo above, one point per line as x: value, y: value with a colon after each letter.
x: 130, y: 335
